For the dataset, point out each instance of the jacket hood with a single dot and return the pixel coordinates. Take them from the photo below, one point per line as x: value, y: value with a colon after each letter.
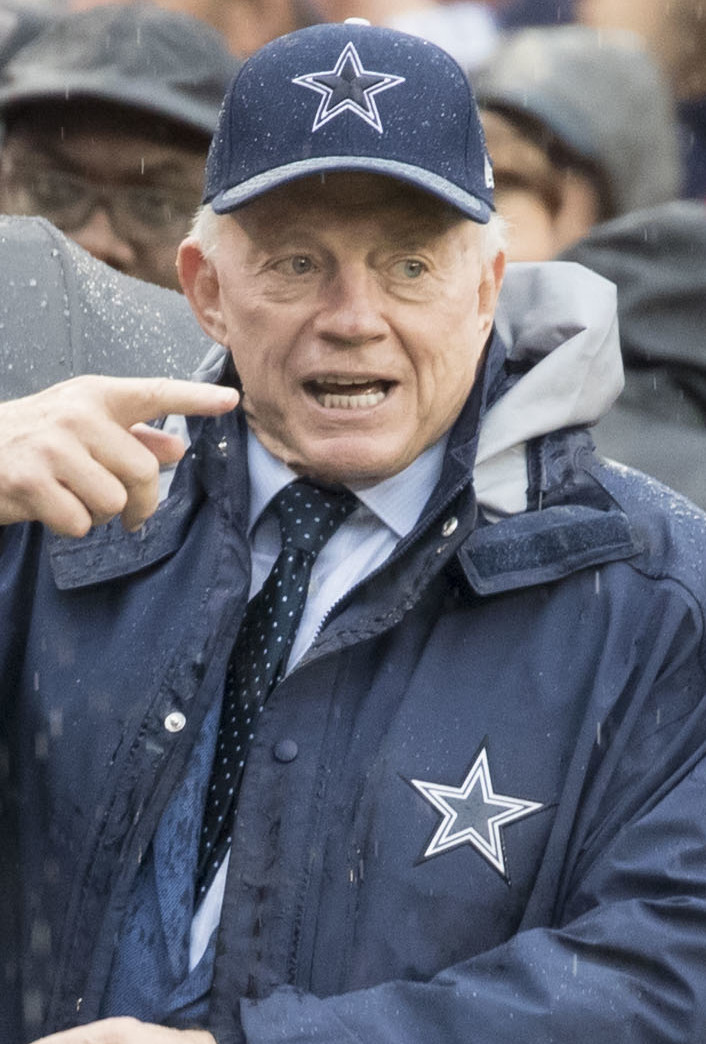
x: 559, y: 323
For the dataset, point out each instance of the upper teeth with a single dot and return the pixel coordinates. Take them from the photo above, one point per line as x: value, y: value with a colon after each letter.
x: 333, y: 379
x: 350, y: 402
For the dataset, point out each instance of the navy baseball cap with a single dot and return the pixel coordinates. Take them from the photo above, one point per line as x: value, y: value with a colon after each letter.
x: 350, y: 97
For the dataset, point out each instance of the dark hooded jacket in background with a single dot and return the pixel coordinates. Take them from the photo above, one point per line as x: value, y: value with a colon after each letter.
x: 657, y: 259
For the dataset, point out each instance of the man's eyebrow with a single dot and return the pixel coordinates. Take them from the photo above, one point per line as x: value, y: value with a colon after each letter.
x: 279, y: 234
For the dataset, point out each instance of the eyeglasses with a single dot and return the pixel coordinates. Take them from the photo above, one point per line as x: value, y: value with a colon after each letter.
x: 137, y: 212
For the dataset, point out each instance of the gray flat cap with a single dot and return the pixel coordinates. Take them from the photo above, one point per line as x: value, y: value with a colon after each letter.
x: 137, y: 55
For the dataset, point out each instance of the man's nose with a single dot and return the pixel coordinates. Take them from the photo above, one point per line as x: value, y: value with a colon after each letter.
x: 351, y: 312
x: 99, y: 237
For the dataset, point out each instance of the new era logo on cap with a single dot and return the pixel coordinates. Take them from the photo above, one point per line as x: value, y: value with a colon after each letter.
x: 348, y: 87
x: 350, y: 98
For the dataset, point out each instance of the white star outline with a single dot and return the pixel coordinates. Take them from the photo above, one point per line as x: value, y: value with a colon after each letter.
x: 510, y: 810
x: 369, y: 114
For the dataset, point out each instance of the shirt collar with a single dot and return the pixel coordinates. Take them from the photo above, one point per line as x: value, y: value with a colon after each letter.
x: 396, y: 501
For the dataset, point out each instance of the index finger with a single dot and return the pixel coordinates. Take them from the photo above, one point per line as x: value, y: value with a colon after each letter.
x: 133, y: 399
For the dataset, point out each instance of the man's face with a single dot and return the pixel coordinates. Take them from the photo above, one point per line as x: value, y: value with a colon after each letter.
x: 124, y: 197
x: 356, y: 310
x: 547, y: 207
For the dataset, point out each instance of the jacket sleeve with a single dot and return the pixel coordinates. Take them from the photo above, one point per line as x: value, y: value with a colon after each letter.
x: 623, y: 959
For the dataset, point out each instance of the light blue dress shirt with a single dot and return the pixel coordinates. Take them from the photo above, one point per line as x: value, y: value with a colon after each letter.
x: 387, y: 512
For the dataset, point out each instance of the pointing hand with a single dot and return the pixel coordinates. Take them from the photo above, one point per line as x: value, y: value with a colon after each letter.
x: 77, y: 454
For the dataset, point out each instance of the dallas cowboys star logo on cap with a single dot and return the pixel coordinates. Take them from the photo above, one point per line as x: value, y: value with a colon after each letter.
x: 348, y: 87
x: 473, y: 814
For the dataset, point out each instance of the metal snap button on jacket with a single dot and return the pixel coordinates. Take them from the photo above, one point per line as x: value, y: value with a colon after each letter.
x: 175, y: 721
x: 450, y: 526
x: 285, y: 750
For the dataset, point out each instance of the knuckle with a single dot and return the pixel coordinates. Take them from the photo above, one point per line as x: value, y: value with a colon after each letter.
x: 27, y: 487
x: 19, y: 484
x: 143, y: 471
x: 76, y: 390
x: 109, y: 504
x: 85, y: 382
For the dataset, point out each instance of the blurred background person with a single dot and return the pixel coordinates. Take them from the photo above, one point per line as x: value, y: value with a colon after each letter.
x: 657, y: 259
x: 582, y: 131
x: 675, y: 32
x: 468, y: 29
x: 513, y: 14
x: 564, y: 115
x: 107, y: 117
x: 244, y: 24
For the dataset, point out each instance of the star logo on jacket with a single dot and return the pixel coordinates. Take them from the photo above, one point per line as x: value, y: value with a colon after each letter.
x: 348, y: 87
x: 474, y: 814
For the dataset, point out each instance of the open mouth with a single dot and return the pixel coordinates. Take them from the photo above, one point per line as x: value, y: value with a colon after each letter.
x: 348, y: 393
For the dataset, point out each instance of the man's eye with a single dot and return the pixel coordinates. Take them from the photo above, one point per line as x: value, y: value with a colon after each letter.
x: 410, y: 268
x: 52, y: 189
x: 297, y: 264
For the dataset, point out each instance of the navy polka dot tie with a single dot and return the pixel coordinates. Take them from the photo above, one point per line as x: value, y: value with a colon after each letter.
x: 308, y: 515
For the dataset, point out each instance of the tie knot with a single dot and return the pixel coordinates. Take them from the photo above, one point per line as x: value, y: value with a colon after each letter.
x: 308, y: 515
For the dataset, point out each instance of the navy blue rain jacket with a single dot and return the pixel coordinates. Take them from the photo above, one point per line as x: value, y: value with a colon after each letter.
x: 488, y: 820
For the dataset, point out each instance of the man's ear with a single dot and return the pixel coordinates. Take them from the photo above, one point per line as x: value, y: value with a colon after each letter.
x: 199, y: 281
x: 489, y: 290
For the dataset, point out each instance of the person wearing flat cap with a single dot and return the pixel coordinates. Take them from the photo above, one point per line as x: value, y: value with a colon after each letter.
x: 107, y: 116
x: 357, y: 699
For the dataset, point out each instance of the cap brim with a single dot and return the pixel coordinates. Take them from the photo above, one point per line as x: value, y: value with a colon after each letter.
x: 232, y: 198
x: 147, y: 97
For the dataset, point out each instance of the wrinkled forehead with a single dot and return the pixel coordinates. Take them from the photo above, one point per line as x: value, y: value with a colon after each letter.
x: 353, y: 194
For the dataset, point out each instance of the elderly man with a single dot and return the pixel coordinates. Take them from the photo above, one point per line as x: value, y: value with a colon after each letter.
x: 443, y: 778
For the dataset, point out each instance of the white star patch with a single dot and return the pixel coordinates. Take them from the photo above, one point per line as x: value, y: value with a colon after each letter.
x: 348, y: 87
x: 473, y: 813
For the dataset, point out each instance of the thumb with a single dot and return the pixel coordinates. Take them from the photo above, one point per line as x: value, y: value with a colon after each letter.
x: 168, y: 449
